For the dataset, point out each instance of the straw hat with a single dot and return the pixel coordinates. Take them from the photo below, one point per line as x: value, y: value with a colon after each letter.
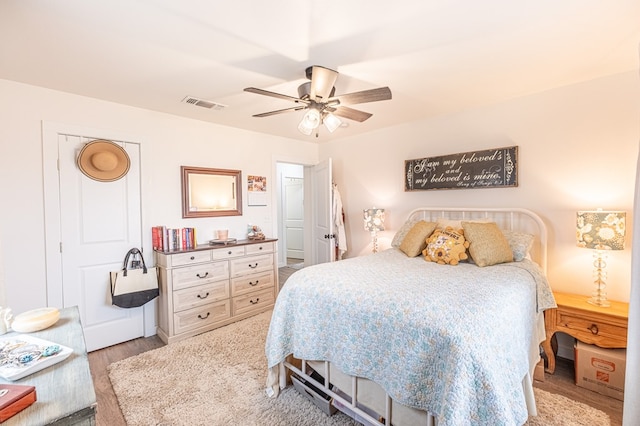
x: 103, y: 161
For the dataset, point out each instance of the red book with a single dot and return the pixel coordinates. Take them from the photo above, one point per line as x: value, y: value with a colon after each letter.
x: 155, y: 238
x: 15, y: 398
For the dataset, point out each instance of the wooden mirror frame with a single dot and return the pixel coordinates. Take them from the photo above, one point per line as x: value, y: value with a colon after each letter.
x: 235, y: 191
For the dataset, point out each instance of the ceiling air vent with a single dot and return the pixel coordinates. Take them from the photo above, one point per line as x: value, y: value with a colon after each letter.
x: 204, y: 104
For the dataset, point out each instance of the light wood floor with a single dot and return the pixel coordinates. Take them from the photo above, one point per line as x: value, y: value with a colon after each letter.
x: 108, y: 412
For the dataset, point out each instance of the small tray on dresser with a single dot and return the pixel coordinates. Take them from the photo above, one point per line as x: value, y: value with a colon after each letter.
x: 223, y: 242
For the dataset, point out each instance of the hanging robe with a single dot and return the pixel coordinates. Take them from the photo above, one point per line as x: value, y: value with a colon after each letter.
x: 338, y: 221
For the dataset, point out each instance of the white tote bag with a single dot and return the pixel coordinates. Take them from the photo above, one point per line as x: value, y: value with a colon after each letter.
x: 134, y: 286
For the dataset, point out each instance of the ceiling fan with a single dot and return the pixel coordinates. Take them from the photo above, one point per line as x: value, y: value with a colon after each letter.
x: 318, y: 97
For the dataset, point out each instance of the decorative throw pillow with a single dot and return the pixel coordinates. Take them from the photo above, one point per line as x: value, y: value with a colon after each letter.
x: 446, y: 247
x: 520, y: 244
x: 487, y: 244
x: 415, y: 240
x: 402, y: 232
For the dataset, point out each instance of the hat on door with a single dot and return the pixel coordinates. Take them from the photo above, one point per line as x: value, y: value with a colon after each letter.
x: 103, y: 161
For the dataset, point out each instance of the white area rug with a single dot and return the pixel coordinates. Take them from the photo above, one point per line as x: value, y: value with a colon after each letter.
x: 218, y: 378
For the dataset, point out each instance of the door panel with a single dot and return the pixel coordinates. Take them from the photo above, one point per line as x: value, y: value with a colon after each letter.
x: 323, y: 226
x: 100, y: 222
x: 294, y: 217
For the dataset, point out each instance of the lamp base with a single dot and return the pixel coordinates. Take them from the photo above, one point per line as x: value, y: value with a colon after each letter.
x: 599, y: 301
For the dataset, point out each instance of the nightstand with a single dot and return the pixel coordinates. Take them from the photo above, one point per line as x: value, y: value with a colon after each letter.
x: 594, y: 325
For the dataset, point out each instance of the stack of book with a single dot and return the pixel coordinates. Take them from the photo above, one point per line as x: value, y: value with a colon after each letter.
x: 167, y: 239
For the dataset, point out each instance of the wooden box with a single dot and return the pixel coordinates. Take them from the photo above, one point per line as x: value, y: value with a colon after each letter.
x: 14, y: 399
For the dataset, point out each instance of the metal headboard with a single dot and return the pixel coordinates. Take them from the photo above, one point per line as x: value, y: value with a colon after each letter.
x: 513, y: 219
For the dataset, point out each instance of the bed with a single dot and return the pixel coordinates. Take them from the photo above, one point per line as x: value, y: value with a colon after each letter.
x: 394, y: 339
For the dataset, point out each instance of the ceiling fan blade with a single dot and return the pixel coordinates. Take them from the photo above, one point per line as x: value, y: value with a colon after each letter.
x: 274, y: 94
x: 350, y: 113
x: 280, y: 111
x: 372, y: 95
x: 322, y: 81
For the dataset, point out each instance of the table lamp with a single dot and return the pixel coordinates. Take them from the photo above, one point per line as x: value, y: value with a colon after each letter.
x: 374, y: 222
x: 600, y: 231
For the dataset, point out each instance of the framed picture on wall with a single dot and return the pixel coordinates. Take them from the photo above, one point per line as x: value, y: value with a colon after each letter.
x: 256, y: 190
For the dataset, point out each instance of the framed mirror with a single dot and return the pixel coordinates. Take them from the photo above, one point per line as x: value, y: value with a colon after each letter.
x: 211, y: 192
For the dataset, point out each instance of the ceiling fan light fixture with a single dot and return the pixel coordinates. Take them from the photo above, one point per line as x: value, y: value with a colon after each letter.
x: 310, y: 121
x: 331, y: 122
x: 303, y: 129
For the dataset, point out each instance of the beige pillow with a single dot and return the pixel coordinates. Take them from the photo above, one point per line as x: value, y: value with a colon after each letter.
x: 487, y: 244
x: 403, y: 231
x: 416, y: 239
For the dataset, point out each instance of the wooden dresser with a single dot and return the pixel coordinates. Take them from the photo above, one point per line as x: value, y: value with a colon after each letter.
x: 594, y: 325
x: 211, y: 286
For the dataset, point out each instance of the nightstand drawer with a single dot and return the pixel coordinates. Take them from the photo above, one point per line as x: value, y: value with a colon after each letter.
x: 590, y: 331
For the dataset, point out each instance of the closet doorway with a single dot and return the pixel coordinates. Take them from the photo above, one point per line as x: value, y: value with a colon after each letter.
x: 291, y: 220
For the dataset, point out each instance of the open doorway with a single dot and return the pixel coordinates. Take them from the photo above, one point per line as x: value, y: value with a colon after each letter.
x: 291, y: 219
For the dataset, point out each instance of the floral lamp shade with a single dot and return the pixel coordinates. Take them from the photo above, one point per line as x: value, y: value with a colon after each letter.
x: 601, y: 230
x: 374, y: 219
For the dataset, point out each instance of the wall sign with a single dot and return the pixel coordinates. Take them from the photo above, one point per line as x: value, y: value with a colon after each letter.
x: 476, y: 169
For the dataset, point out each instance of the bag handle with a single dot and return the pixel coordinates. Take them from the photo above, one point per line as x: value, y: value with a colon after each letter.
x: 134, y: 251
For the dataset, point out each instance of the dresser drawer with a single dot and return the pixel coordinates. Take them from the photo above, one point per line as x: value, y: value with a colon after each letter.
x: 252, y: 301
x: 190, y: 276
x: 190, y: 258
x: 227, y: 252
x: 593, y: 331
x: 249, y: 283
x: 251, y: 265
x: 259, y: 248
x: 201, y: 316
x: 201, y: 295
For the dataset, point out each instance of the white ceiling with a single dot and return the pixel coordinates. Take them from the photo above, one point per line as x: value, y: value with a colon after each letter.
x: 437, y: 56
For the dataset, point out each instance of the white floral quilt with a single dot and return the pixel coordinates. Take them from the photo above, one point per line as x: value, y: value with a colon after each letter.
x: 451, y: 340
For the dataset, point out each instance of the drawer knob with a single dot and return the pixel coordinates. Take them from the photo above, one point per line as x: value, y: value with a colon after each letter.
x: 593, y: 329
x: 202, y: 276
x: 203, y: 297
x: 192, y: 258
x: 205, y: 317
x: 260, y: 248
x: 254, y: 302
x: 253, y: 266
x: 251, y: 283
x: 229, y: 252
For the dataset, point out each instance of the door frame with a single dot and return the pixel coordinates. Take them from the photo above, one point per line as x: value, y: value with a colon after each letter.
x: 276, y: 198
x: 52, y: 228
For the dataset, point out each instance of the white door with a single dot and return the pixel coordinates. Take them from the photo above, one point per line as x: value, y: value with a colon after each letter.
x: 100, y: 222
x: 323, y: 226
x: 294, y: 216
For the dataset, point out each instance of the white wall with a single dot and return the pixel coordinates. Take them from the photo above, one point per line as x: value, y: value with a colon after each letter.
x: 167, y: 143
x: 577, y: 150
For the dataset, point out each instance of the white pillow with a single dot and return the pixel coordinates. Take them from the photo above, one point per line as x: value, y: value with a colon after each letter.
x: 520, y: 244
